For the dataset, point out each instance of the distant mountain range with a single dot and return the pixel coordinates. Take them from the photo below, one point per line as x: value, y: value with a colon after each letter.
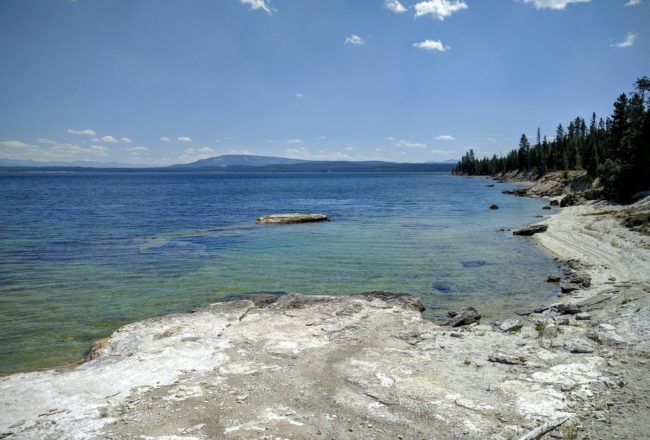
x: 79, y: 163
x: 236, y: 163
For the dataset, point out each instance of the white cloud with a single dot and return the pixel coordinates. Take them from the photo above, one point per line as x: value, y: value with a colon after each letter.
x: 254, y: 5
x: 184, y: 139
x: 408, y: 144
x: 557, y: 5
x: 627, y: 42
x: 194, y: 154
x: 106, y: 139
x: 431, y: 45
x: 445, y: 137
x: 299, y: 95
x: 355, y: 40
x: 126, y: 140
x: 321, y: 138
x: 633, y: 3
x: 294, y: 141
x: 439, y: 9
x: 46, y: 141
x: 389, y: 138
x: 85, y: 132
x: 395, y: 6
x: 138, y: 149
x: 165, y: 139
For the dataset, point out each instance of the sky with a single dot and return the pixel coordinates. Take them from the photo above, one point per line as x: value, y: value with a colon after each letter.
x: 158, y: 82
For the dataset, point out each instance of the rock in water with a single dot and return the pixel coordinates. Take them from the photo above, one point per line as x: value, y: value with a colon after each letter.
x: 553, y: 279
x: 466, y: 317
x: 280, y: 219
x: 493, y: 206
x: 531, y: 230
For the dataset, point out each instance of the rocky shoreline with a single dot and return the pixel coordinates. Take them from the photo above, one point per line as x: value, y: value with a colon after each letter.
x: 370, y: 366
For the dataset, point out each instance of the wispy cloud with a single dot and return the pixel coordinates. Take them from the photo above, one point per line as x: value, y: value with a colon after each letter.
x: 138, y: 149
x: 299, y: 95
x: 85, y: 132
x: 294, y: 141
x: 633, y: 3
x: 439, y: 9
x: 50, y: 150
x: 355, y: 40
x: 194, y: 154
x: 445, y: 137
x: 402, y: 143
x: 126, y: 140
x: 164, y: 139
x: 444, y: 154
x: 557, y: 5
x: 254, y: 5
x: 184, y: 139
x: 395, y: 6
x: 431, y: 45
x: 629, y: 41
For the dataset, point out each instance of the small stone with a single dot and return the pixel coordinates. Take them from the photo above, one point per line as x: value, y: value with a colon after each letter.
x: 553, y: 278
x: 493, y: 206
x: 583, y: 316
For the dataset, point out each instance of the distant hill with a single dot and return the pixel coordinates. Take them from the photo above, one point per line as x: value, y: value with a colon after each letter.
x: 229, y: 160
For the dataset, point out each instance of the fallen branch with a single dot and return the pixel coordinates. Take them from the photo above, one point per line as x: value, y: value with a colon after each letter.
x: 539, y: 432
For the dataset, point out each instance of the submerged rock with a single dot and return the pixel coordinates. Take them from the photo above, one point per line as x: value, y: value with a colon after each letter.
x: 493, y: 206
x: 531, y: 230
x: 553, y: 279
x: 278, y: 219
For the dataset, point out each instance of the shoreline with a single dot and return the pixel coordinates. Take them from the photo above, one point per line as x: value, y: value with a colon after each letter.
x: 249, y: 366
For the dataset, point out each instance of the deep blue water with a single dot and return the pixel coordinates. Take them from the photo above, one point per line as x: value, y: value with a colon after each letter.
x: 84, y: 253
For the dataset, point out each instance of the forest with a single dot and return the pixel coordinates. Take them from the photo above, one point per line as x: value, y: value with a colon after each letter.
x: 616, y: 150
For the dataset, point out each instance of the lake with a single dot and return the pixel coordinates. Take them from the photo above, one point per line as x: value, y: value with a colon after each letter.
x: 83, y: 253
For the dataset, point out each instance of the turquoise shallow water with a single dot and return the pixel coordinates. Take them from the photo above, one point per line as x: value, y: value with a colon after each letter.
x: 84, y: 253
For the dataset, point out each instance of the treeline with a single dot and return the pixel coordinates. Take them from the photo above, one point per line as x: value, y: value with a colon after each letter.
x: 617, y: 149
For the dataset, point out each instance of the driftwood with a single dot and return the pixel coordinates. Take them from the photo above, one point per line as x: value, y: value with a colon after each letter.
x: 545, y: 428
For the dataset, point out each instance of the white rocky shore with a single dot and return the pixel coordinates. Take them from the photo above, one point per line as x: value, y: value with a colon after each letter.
x: 369, y: 366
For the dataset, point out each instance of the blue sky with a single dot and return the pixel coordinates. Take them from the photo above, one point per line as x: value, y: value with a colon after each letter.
x: 168, y: 81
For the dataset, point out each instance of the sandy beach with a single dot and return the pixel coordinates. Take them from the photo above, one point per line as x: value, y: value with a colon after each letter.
x: 369, y: 366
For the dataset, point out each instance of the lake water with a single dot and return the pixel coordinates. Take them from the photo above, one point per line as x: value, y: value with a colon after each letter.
x: 83, y: 253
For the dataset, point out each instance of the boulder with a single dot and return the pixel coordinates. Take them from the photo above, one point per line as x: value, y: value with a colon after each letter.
x: 493, y: 206
x: 569, y: 200
x: 554, y: 202
x: 553, y: 279
x: 278, y: 219
x: 580, y: 346
x: 546, y: 207
x: 466, y: 317
x: 511, y: 325
x: 531, y: 230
